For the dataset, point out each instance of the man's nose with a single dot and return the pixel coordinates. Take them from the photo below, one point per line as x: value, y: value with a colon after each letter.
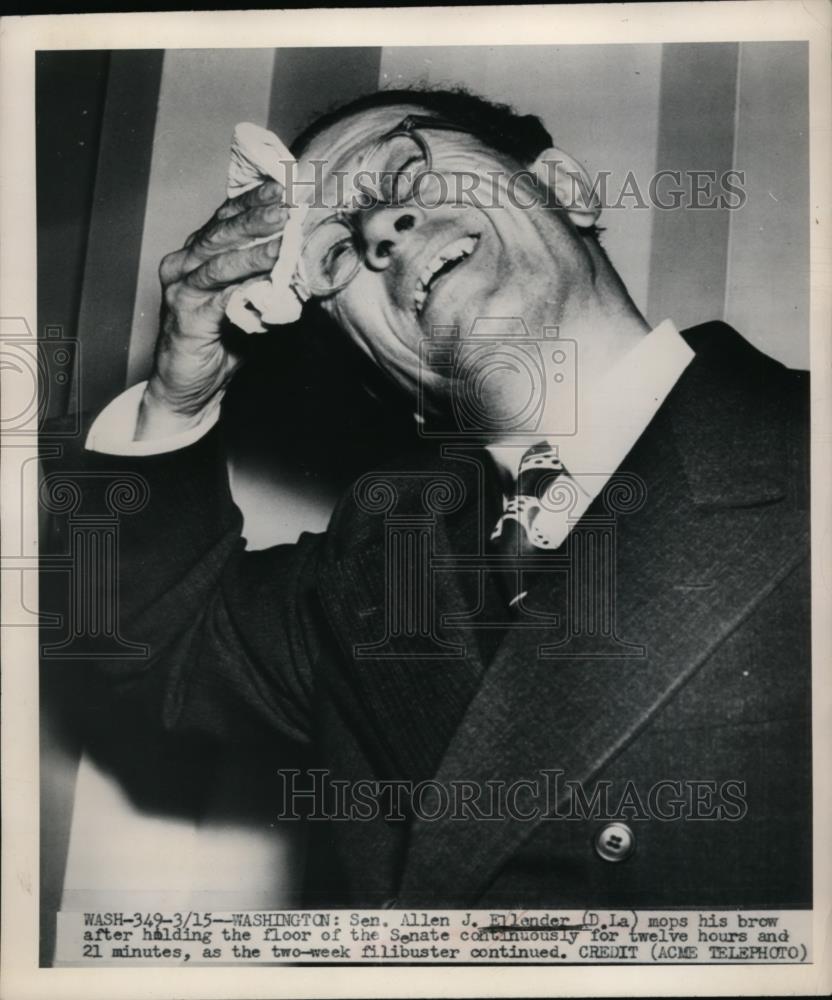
x: 385, y: 229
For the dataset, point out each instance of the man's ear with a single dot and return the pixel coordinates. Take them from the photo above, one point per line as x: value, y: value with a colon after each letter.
x: 570, y: 184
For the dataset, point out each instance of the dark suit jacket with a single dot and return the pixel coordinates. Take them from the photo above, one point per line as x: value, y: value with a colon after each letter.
x: 700, y: 671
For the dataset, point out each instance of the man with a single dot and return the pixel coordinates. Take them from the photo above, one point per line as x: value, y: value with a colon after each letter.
x: 580, y: 630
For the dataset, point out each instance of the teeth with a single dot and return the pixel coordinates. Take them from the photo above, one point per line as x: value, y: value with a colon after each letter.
x: 460, y: 248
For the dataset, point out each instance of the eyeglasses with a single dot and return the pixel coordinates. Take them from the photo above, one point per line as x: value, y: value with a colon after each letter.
x: 390, y: 175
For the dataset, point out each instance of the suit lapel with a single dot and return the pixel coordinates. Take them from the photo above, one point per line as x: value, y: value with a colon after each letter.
x: 713, y: 538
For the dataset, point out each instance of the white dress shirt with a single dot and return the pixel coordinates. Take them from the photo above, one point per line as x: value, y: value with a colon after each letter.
x: 612, y: 414
x: 114, y: 428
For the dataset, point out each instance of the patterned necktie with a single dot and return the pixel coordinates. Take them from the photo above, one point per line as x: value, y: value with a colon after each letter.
x: 527, y: 526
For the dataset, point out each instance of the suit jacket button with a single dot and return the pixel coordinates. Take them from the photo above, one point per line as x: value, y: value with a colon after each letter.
x: 615, y: 842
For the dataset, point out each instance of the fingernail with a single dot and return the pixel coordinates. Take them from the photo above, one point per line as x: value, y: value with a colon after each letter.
x: 275, y: 213
x: 274, y: 247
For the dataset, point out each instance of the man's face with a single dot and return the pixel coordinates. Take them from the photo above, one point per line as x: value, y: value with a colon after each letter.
x: 511, y: 260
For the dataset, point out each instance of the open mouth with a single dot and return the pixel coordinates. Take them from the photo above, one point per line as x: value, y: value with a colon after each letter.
x: 441, y: 265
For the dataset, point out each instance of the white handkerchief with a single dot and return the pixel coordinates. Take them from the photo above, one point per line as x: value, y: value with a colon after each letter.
x: 256, y: 155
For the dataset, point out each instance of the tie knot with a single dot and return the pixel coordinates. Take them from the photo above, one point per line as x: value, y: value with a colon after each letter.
x: 538, y: 467
x: 526, y: 524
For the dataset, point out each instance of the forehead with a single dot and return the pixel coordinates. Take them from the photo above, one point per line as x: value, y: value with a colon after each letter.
x: 338, y: 153
x: 347, y: 138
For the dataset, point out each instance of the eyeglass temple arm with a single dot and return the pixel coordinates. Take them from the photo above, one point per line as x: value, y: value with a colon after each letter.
x: 424, y: 121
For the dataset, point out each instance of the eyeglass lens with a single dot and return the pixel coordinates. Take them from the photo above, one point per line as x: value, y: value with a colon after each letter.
x: 388, y: 176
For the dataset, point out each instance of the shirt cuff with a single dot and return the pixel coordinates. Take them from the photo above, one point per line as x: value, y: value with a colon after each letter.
x: 113, y: 429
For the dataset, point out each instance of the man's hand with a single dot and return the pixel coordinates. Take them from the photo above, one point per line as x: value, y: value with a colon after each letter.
x: 192, y: 365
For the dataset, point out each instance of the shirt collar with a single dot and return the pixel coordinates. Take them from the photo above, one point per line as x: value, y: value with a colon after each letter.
x: 614, y: 412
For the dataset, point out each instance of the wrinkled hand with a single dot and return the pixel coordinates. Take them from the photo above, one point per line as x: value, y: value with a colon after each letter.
x: 192, y: 364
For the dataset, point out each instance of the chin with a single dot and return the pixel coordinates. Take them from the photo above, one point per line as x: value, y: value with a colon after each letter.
x: 514, y: 306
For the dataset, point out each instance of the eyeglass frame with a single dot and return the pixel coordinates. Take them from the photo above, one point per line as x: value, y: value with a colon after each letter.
x: 410, y: 126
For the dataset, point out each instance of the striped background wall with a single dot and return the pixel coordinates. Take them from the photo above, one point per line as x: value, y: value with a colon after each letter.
x: 132, y: 150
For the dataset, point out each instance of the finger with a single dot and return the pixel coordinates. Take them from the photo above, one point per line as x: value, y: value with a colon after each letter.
x: 233, y: 233
x: 172, y: 267
x: 267, y: 193
x: 235, y: 266
x: 223, y: 237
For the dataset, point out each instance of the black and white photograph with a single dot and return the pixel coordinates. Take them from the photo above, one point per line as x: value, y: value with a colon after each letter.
x: 415, y: 551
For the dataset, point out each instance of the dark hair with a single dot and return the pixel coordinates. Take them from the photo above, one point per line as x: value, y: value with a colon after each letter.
x: 521, y: 137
